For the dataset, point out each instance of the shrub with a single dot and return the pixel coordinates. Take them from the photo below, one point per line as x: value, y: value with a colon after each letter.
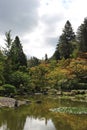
x: 19, y: 78
x: 9, y: 89
x: 1, y: 90
x: 82, y: 85
x: 21, y: 81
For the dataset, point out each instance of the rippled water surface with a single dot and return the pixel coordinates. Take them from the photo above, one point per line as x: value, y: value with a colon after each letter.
x: 37, y: 116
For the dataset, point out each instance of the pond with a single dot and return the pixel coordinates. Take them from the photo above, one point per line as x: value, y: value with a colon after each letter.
x: 37, y: 116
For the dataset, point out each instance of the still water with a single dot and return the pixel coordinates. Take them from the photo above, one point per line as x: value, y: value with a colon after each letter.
x: 37, y: 116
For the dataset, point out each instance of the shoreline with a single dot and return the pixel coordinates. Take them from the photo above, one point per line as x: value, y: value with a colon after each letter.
x: 13, y: 102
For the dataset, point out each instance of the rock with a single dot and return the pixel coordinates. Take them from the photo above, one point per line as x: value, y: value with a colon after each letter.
x: 10, y: 102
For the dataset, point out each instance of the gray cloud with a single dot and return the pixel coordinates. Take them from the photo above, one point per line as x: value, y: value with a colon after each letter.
x: 21, y: 16
x: 52, y: 41
x: 52, y: 19
x: 51, y: 22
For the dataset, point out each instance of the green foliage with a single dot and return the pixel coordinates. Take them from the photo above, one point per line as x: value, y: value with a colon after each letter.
x: 17, y: 55
x: 46, y: 57
x: 23, y: 69
x: 8, y: 43
x: 18, y: 78
x: 7, y: 71
x: 2, y: 58
x: 53, y: 64
x: 39, y: 77
x: 82, y: 36
x: 65, y: 47
x: 1, y: 91
x: 33, y: 62
x: 65, y: 70
x: 82, y: 86
x: 56, y: 55
x: 8, y: 89
x: 21, y: 81
x: 75, y: 51
x: 2, y: 80
x: 63, y: 63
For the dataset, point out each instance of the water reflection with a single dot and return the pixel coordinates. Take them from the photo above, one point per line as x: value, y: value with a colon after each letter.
x: 37, y: 124
x: 3, y: 127
x: 38, y: 117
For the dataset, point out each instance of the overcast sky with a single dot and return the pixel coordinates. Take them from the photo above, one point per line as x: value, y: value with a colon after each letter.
x: 39, y: 23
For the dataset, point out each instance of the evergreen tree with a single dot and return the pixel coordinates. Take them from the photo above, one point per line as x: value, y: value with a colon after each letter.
x: 7, y: 62
x: 65, y: 47
x: 2, y: 58
x: 8, y: 43
x: 56, y: 54
x: 46, y: 57
x: 82, y: 36
x: 33, y: 61
x: 17, y: 55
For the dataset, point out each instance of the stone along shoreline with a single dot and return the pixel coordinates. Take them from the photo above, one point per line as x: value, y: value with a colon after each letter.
x: 10, y: 102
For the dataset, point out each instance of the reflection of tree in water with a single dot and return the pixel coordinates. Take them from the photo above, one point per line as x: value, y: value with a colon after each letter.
x: 70, y: 122
x: 13, y: 120
x: 16, y: 118
x: 61, y: 123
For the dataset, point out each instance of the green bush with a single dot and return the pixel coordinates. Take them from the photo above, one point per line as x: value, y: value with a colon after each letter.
x: 21, y: 81
x: 23, y: 69
x: 65, y: 84
x: 74, y: 84
x: 1, y: 90
x: 2, y: 80
x: 82, y: 85
x: 8, y: 89
x: 19, y: 78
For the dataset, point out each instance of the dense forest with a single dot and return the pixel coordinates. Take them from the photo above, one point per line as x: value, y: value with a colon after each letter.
x: 66, y: 70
